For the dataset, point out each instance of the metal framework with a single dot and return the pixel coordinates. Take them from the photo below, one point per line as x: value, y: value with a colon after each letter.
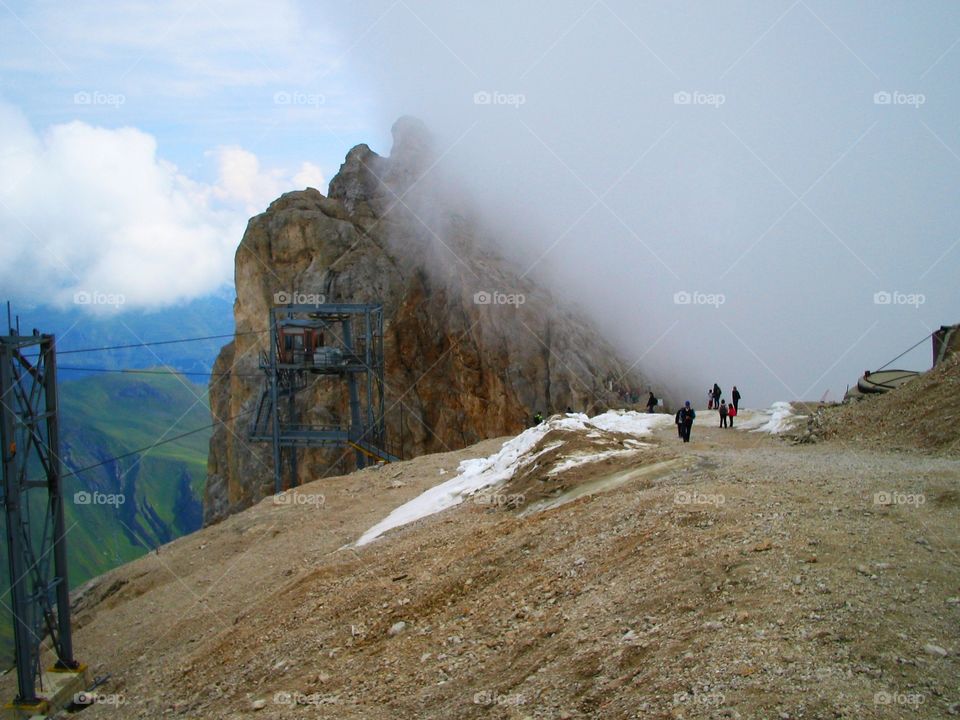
x: 339, y: 340
x: 36, y: 547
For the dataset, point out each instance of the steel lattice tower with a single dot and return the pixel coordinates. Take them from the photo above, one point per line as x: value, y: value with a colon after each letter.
x: 339, y: 340
x: 32, y: 485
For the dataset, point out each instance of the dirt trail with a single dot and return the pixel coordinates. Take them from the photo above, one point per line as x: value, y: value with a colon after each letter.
x: 759, y: 580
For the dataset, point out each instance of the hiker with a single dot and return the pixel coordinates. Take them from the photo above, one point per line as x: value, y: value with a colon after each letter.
x: 716, y: 396
x: 723, y: 413
x: 651, y: 402
x: 687, y: 416
x: 679, y: 421
x: 709, y: 398
x: 538, y: 418
x: 736, y: 398
x: 731, y: 412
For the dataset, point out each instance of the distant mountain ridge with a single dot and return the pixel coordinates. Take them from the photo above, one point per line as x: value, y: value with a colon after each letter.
x: 76, y: 328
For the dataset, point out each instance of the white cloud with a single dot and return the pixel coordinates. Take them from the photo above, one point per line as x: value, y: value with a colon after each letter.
x: 310, y: 176
x: 89, y: 209
x: 242, y: 180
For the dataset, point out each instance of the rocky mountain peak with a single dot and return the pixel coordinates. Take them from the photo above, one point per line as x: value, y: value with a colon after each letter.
x: 412, y: 152
x: 366, y: 178
x: 460, y: 364
x: 358, y: 183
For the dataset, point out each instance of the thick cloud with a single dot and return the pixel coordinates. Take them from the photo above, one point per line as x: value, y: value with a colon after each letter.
x: 96, y: 213
x: 731, y: 190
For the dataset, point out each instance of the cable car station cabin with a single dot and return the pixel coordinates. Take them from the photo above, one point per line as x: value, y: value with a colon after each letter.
x: 297, y: 340
x: 339, y: 340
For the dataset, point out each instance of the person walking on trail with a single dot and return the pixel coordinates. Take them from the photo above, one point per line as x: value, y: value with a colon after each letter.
x: 678, y: 419
x: 736, y: 398
x: 723, y: 413
x: 716, y: 396
x: 687, y: 416
x: 651, y: 402
x: 731, y: 412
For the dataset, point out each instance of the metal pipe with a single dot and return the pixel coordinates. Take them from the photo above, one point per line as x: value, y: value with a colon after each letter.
x: 274, y: 401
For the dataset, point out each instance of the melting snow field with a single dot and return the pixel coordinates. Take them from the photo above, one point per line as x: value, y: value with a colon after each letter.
x: 587, y: 458
x: 775, y: 419
x: 480, y: 473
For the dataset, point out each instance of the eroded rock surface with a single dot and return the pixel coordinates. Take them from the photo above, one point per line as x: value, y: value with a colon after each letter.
x: 458, y: 369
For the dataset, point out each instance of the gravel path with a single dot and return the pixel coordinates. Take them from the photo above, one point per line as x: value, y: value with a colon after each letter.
x: 762, y: 580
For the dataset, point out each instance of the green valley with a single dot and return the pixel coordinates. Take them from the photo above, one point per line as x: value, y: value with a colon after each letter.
x: 120, y: 509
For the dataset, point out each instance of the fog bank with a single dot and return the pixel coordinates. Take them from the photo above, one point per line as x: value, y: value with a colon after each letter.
x: 756, y: 194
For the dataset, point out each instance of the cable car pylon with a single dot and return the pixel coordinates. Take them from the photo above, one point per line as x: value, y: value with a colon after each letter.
x: 36, y: 545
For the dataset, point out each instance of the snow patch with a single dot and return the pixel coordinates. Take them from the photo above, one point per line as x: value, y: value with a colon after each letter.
x: 630, y: 422
x: 578, y: 460
x: 776, y: 419
x: 479, y: 473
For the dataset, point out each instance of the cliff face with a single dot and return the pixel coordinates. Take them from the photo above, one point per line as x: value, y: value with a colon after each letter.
x: 472, y: 350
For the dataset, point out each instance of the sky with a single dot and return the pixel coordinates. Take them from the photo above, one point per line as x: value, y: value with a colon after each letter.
x: 756, y: 193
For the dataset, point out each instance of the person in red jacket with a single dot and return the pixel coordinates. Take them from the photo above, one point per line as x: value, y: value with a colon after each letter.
x: 731, y: 412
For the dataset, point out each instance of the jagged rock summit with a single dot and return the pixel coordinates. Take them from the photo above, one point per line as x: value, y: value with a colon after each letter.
x: 460, y: 366
x: 366, y: 181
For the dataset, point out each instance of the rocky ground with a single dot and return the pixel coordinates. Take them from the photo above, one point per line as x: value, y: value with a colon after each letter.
x: 923, y: 415
x: 745, y: 577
